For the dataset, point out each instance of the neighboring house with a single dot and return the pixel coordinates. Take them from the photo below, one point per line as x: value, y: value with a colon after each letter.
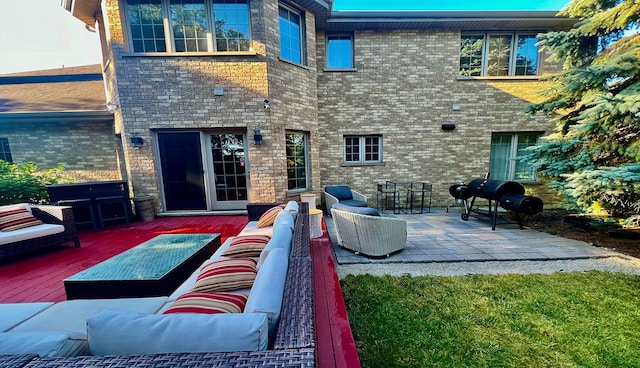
x: 59, y: 116
x: 335, y: 97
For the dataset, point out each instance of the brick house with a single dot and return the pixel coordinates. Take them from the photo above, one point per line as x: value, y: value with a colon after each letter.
x: 58, y: 116
x: 262, y: 100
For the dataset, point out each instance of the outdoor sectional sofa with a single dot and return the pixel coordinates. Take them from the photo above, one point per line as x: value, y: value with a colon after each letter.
x: 276, y: 328
x: 57, y: 228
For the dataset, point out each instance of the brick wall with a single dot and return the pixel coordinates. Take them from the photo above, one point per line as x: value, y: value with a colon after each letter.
x: 87, y: 150
x: 404, y: 88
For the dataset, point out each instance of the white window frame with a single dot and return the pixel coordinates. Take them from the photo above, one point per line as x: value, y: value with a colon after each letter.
x: 512, y: 158
x: 307, y: 162
x: 303, y: 32
x: 168, y: 30
x: 351, y: 38
x: 513, y: 53
x: 361, y: 150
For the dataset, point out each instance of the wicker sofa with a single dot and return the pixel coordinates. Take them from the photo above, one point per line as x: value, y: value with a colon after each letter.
x: 292, y: 345
x: 58, y: 228
x: 364, y: 231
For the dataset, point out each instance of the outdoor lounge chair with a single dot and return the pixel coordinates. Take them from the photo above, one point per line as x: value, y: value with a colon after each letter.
x: 368, y: 234
x: 343, y: 194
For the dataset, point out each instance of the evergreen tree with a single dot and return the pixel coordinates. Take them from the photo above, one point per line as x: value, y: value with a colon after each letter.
x: 594, y: 155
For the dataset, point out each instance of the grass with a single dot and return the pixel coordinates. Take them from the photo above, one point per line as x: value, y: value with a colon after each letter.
x: 561, y: 320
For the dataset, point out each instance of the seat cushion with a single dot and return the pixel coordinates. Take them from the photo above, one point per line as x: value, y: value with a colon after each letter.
x: 354, y: 203
x: 27, y: 233
x: 341, y: 192
x: 359, y: 210
x: 11, y: 314
x: 45, y: 344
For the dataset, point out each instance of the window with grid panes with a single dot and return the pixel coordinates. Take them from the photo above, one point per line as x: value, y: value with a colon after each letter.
x: 189, y: 25
x: 506, y: 150
x: 498, y: 54
x: 297, y: 160
x: 362, y: 149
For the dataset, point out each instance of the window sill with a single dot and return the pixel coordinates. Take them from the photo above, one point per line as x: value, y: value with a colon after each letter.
x: 332, y: 70
x: 510, y: 78
x: 349, y: 164
x: 180, y: 54
x: 294, y: 63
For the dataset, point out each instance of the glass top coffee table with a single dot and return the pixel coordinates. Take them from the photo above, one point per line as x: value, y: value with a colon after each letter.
x: 154, y: 268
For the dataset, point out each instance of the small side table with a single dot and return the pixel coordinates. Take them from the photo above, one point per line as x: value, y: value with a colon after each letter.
x: 315, y: 222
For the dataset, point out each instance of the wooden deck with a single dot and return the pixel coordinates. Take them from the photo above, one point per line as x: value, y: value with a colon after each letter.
x: 38, y: 278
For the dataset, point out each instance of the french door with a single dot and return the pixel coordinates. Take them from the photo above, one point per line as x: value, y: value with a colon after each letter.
x: 203, y: 170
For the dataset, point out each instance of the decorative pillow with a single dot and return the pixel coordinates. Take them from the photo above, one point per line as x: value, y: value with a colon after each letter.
x: 17, y: 219
x: 208, y: 303
x: 225, y: 275
x: 246, y: 246
x: 269, y: 216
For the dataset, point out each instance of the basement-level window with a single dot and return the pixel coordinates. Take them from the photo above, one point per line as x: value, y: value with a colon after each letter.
x: 506, y: 150
x: 498, y: 54
x: 5, y: 151
x: 363, y: 149
x: 188, y: 25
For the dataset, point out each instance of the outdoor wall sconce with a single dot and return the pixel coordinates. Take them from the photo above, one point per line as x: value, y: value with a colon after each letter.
x: 266, y: 104
x: 136, y: 140
x: 257, y: 137
x: 448, y: 126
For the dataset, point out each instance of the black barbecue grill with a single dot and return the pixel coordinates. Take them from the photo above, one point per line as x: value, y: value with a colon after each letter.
x: 508, y: 194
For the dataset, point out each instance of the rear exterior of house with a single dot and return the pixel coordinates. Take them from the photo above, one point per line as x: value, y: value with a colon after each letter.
x: 241, y: 101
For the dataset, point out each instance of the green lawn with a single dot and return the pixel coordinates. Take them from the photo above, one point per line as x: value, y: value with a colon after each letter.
x: 561, y: 320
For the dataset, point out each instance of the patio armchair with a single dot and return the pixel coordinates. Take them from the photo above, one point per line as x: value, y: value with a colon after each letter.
x: 343, y: 194
x: 360, y: 230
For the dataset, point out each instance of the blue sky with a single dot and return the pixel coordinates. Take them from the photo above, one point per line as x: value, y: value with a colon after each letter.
x: 449, y: 5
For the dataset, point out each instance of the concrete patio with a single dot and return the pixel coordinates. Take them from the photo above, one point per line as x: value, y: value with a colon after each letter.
x: 440, y: 237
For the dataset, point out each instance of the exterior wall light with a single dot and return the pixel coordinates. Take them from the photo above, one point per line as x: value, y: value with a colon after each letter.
x: 136, y: 140
x: 257, y: 137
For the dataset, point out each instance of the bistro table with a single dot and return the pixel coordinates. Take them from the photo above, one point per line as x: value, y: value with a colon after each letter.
x: 415, y: 193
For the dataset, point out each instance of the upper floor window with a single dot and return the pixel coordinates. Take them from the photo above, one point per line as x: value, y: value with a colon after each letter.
x: 498, y: 54
x: 339, y: 51
x: 292, y: 35
x: 362, y: 149
x: 5, y: 151
x: 505, y: 162
x: 189, y: 25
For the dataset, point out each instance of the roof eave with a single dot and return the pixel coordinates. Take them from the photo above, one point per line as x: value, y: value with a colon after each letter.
x: 88, y: 116
x: 85, y: 10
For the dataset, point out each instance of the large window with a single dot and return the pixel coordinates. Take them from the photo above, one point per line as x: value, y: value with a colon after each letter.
x: 5, y: 151
x: 339, y: 52
x: 362, y: 149
x: 189, y: 25
x: 498, y: 54
x: 291, y: 35
x: 506, y: 150
x: 297, y: 161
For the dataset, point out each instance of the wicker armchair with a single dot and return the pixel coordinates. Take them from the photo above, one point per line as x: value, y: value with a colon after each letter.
x: 343, y: 194
x: 370, y: 235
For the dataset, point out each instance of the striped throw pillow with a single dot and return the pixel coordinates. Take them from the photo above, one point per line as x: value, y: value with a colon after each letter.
x: 246, y: 246
x: 269, y: 216
x: 17, y: 219
x: 225, y: 275
x: 208, y: 303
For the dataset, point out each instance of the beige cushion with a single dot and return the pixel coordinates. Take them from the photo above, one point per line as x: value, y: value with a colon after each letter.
x: 8, y: 237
